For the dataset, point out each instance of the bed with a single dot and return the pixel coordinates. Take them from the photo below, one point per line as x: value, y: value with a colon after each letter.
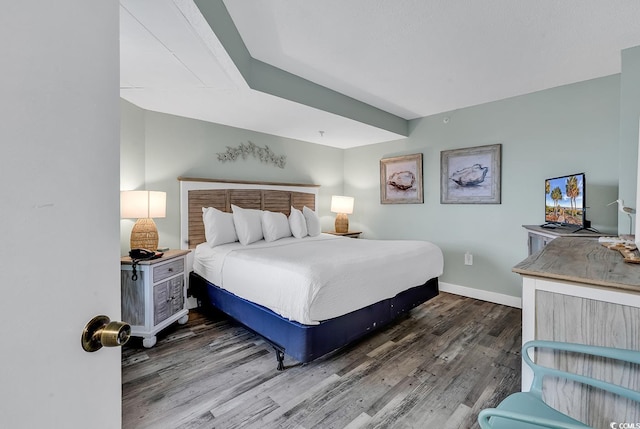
x: 307, y: 295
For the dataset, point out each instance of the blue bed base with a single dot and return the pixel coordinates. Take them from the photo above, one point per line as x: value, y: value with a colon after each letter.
x: 305, y: 343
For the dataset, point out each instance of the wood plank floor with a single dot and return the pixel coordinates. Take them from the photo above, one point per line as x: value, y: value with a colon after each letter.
x: 436, y: 368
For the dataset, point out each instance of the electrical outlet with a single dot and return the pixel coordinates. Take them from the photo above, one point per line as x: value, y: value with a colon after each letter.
x: 468, y: 258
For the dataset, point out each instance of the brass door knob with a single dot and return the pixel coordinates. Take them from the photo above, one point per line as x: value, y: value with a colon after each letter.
x: 102, y: 332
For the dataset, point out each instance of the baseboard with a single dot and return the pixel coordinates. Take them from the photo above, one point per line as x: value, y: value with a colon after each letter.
x: 484, y: 295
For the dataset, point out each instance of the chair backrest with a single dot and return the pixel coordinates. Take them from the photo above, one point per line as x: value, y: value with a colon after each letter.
x: 539, y: 372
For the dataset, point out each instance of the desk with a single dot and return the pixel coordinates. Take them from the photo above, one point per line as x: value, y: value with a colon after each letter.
x: 538, y: 237
x: 576, y: 290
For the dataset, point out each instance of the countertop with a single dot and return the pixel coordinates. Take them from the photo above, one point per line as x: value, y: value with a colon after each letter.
x: 582, y: 260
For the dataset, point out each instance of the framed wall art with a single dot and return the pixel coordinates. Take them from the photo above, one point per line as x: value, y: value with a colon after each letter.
x: 401, y: 180
x: 471, y: 175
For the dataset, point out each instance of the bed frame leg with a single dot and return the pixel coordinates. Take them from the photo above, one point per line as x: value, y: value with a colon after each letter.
x: 279, y: 358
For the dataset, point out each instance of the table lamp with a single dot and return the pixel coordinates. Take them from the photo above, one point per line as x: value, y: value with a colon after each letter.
x: 342, y: 206
x: 143, y: 205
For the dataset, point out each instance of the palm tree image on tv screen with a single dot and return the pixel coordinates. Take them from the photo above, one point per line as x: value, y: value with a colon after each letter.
x: 565, y: 200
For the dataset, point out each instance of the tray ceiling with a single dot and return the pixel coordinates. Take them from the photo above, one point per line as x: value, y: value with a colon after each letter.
x: 394, y: 61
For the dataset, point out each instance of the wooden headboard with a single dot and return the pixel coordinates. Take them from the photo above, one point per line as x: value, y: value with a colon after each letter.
x: 198, y: 193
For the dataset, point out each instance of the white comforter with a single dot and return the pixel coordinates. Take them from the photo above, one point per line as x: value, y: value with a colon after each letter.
x: 317, y: 278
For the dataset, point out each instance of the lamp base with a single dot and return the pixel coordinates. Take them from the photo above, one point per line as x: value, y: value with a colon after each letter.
x: 342, y: 223
x: 144, y: 235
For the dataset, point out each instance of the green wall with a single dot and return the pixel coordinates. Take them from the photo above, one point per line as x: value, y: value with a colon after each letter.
x: 565, y: 130
x: 569, y: 129
x: 175, y: 146
x: 629, y: 113
x: 132, y: 146
x: 132, y: 160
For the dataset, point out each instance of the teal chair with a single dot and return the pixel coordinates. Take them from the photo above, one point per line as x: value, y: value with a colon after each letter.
x: 526, y: 410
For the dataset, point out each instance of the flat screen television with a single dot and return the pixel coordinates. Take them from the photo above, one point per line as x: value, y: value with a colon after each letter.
x: 565, y: 200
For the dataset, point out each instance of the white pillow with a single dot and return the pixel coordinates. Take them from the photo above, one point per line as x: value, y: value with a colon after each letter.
x: 297, y: 223
x: 275, y: 226
x: 218, y: 226
x: 248, y: 224
x: 313, y: 221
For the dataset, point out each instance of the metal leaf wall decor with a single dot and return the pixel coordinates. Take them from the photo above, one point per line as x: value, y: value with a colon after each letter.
x: 264, y: 154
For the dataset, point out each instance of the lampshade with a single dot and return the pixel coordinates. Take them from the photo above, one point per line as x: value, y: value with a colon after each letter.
x: 340, y: 204
x: 143, y: 205
x: 343, y: 206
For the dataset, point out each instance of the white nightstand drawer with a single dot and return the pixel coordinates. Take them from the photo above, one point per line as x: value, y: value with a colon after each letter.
x: 167, y: 270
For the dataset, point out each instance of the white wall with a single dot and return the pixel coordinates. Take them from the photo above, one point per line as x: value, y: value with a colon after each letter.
x: 59, y: 170
x: 565, y: 130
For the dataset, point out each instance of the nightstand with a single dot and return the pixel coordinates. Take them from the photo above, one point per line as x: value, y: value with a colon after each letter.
x: 157, y: 298
x: 350, y: 234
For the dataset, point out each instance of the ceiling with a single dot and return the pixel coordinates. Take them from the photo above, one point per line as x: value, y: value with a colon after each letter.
x: 351, y: 73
